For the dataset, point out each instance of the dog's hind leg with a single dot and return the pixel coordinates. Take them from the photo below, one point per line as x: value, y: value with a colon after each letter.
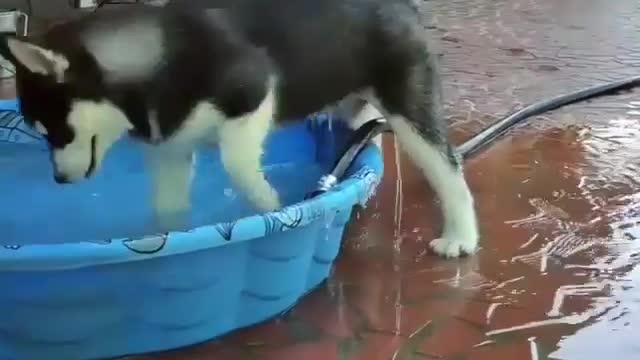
x: 357, y: 110
x: 409, y: 92
x: 241, y: 143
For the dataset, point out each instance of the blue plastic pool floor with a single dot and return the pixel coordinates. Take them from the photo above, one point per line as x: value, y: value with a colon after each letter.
x: 115, y: 203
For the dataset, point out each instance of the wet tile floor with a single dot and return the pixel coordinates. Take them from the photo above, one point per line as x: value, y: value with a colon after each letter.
x: 558, y: 201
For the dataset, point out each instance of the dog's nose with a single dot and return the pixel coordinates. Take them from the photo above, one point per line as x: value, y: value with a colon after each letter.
x: 60, y: 179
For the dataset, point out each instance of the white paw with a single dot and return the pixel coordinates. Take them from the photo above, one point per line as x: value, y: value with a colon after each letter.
x: 171, y: 205
x: 171, y: 213
x: 171, y: 220
x: 266, y: 201
x: 453, y: 248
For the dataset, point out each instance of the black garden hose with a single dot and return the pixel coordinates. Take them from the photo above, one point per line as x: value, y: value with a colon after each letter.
x: 478, y: 142
x: 499, y: 128
x: 358, y: 141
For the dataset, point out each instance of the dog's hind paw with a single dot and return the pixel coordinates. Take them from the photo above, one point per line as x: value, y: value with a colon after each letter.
x: 453, y: 248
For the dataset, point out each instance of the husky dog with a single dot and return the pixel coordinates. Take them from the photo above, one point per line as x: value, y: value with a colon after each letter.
x: 178, y: 76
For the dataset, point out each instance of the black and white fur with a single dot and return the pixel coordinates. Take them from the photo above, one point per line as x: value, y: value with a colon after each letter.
x: 175, y: 77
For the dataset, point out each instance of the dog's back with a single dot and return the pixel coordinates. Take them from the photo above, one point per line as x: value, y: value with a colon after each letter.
x: 323, y: 50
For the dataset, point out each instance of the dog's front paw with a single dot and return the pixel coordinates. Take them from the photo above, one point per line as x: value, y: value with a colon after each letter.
x: 266, y: 201
x: 171, y: 213
x: 172, y: 220
x: 453, y: 247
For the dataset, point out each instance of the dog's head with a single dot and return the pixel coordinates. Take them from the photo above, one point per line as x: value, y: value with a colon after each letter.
x: 62, y: 95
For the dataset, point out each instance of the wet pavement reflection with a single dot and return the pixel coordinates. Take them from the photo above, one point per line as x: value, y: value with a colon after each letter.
x: 558, y: 201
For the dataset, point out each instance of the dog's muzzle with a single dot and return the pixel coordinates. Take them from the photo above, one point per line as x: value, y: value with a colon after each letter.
x: 60, y: 179
x: 92, y: 164
x: 61, y: 176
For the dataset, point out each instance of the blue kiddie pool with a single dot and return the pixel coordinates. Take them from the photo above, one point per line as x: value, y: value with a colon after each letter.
x: 84, y: 276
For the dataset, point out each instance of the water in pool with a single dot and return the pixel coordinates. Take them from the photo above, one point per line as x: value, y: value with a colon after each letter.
x: 115, y: 203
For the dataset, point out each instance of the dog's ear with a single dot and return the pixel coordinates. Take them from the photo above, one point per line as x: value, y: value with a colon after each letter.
x: 34, y: 58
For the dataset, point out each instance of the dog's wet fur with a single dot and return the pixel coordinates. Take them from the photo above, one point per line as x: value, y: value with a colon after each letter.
x: 177, y: 76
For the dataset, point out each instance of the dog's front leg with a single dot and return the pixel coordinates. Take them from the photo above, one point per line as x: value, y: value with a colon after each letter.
x: 171, y: 170
x: 241, y: 146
